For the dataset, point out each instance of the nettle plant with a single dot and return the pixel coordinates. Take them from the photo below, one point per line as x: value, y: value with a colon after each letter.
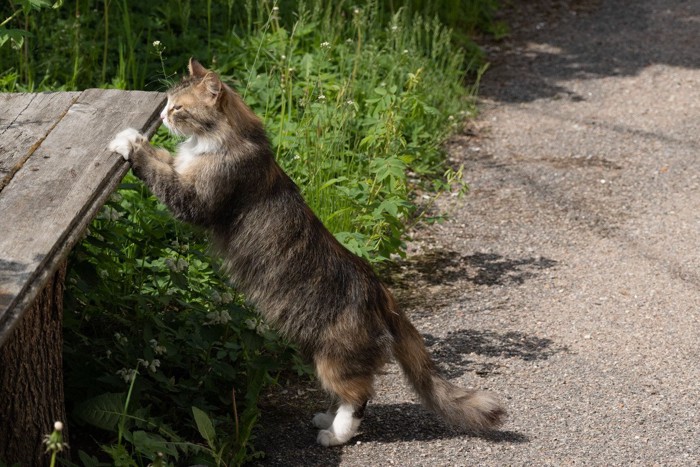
x: 353, y: 110
x: 156, y: 339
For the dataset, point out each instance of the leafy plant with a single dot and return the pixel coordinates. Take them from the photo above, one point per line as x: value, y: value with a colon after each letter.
x: 353, y: 106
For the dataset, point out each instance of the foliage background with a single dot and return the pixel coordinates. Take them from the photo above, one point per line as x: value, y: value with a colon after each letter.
x: 160, y: 353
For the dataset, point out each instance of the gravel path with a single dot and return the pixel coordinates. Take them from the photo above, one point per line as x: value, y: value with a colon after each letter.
x: 568, y: 280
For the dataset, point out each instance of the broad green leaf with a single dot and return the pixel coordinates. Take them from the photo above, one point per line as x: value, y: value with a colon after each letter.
x: 120, y: 456
x: 89, y: 461
x: 151, y: 444
x: 103, y: 411
x: 205, y: 427
x: 15, y: 36
x: 333, y: 181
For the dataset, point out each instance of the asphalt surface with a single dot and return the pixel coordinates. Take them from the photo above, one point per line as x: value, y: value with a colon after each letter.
x: 568, y: 280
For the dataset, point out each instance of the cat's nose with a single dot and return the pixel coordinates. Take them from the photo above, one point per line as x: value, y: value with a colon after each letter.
x: 163, y: 115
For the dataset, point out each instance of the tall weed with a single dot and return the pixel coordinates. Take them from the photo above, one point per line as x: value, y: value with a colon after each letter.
x: 353, y: 106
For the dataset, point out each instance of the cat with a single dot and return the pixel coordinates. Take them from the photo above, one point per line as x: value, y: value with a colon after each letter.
x: 277, y: 252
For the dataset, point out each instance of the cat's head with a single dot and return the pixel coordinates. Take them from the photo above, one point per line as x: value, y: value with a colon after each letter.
x: 202, y: 105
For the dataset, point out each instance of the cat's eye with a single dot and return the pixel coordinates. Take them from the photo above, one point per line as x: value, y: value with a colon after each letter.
x: 176, y: 108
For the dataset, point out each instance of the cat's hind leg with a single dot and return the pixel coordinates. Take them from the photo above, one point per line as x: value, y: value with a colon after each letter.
x: 324, y: 420
x: 352, y: 391
x: 344, y: 426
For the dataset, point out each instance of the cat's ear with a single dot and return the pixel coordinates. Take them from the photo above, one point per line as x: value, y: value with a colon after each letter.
x: 196, y: 69
x: 212, y: 86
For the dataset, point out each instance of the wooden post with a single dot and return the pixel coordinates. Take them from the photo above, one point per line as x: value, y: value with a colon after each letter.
x: 31, y: 378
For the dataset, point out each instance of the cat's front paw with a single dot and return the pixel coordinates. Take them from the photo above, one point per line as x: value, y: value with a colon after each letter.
x: 125, y: 141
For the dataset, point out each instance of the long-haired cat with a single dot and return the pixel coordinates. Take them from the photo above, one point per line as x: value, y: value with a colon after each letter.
x: 302, y: 280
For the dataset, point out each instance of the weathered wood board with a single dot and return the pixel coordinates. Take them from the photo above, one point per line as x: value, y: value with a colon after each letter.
x: 56, y: 174
x: 25, y: 120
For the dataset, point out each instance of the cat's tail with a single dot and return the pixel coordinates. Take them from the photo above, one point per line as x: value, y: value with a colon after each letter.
x: 461, y: 408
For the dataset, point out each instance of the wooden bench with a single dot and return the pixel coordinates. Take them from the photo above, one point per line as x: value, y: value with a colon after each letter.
x: 55, y: 174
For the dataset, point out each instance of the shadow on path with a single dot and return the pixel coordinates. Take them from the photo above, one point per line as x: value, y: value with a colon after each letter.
x: 411, y: 422
x: 558, y: 40
x: 425, y: 282
x: 442, y: 267
x: 453, y: 352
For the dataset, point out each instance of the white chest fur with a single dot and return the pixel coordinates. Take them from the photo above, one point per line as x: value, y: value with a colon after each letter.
x: 191, y: 150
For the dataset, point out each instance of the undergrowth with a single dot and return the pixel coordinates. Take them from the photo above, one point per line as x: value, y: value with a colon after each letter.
x: 161, y: 354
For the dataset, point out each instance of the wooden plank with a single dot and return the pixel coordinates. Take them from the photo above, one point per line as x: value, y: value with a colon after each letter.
x: 25, y: 120
x: 59, y: 189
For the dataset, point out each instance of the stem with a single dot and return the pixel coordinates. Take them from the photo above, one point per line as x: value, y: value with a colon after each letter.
x: 106, y: 40
x: 17, y: 12
x: 122, y: 421
x: 209, y: 27
x: 235, y: 411
x: 76, y: 47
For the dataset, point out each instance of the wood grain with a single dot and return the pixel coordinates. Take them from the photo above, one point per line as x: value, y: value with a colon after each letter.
x: 50, y: 200
x: 25, y: 120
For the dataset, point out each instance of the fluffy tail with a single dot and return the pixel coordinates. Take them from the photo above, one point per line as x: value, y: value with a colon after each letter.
x: 461, y: 408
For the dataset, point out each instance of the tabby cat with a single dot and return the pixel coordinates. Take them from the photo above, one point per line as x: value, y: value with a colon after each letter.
x: 307, y: 285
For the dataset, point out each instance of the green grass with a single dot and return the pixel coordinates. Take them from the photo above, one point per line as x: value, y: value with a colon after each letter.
x: 356, y: 97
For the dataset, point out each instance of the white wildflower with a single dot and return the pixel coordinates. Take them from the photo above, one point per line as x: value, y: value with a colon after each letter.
x: 154, y: 365
x: 226, y: 298
x: 115, y: 215
x: 127, y: 374
x: 120, y: 338
x: 54, y: 442
x: 356, y: 11
x: 321, y: 97
x: 275, y: 9
x: 262, y: 328
x: 160, y: 48
x: 158, y: 349
x: 325, y: 45
x: 217, y: 317
x: 176, y: 266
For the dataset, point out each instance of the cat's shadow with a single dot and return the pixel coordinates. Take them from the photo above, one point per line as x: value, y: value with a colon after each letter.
x: 389, y: 423
x: 383, y: 424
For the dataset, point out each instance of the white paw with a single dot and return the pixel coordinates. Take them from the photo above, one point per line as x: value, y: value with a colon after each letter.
x: 323, y: 420
x: 327, y: 438
x: 125, y: 141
